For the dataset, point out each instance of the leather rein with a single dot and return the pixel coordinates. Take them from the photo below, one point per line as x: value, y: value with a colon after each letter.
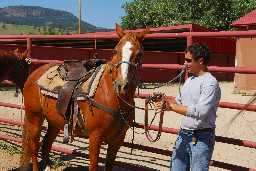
x: 149, y: 101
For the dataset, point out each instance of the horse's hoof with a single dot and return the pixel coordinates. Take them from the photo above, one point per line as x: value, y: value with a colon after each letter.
x: 25, y: 167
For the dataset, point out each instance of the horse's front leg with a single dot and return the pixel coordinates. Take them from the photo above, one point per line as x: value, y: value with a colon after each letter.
x: 113, y: 147
x: 95, y: 140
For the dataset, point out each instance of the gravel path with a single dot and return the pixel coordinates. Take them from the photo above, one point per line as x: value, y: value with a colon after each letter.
x: 244, y: 127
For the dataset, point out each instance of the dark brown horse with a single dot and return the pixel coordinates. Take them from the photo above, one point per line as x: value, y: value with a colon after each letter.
x: 14, y: 66
x: 118, y: 80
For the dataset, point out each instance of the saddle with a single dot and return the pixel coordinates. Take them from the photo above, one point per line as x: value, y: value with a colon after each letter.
x: 74, y: 72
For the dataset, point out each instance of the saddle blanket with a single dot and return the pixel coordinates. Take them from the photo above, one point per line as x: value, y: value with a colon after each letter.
x: 51, y: 82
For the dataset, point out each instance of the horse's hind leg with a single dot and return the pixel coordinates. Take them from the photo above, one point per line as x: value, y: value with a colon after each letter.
x: 48, y: 140
x: 30, y: 141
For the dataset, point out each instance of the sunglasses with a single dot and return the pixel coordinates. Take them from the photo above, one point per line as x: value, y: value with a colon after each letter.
x: 188, y: 60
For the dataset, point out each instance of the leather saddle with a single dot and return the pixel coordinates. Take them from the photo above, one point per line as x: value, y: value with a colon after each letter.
x: 74, y: 72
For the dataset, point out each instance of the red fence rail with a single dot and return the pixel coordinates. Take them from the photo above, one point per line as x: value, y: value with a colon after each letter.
x: 238, y: 106
x: 233, y: 141
x: 241, y: 70
x: 111, y: 35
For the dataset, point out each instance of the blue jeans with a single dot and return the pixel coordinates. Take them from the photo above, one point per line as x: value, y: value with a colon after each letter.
x: 187, y: 154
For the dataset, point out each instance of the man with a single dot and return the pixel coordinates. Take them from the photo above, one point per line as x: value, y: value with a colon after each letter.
x: 198, y: 102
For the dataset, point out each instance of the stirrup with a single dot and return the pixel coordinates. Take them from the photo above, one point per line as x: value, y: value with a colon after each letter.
x: 66, y: 135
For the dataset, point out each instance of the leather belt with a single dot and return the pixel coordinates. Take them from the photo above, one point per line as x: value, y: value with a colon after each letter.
x: 199, y: 130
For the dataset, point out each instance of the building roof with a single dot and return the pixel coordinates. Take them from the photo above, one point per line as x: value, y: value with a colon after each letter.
x: 248, y: 19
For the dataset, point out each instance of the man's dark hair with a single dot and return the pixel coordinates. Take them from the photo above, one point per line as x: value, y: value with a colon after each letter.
x: 198, y: 51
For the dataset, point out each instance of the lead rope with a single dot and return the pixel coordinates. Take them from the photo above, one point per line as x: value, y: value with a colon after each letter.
x: 133, y: 134
x: 151, y: 100
x: 158, y: 85
x: 21, y: 112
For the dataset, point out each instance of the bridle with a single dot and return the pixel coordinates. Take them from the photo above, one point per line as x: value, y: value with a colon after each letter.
x: 22, y: 63
x: 135, y: 65
x: 21, y: 67
x: 149, y: 101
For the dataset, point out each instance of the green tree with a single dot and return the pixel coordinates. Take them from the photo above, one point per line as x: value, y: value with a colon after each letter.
x: 241, y: 7
x: 214, y: 14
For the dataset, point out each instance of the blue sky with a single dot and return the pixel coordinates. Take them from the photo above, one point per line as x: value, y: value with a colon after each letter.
x: 101, y: 13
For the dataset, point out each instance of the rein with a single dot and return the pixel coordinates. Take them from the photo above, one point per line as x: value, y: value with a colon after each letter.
x: 150, y: 100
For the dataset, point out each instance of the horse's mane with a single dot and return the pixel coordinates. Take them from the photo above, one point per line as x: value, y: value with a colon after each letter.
x: 131, y: 36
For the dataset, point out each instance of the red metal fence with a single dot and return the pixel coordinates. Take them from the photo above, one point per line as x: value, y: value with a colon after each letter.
x: 189, y: 36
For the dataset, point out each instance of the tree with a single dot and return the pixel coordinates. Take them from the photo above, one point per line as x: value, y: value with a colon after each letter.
x: 241, y: 7
x: 214, y: 14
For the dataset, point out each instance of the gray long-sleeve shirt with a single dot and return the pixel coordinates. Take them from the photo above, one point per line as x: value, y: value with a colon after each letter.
x: 201, y: 95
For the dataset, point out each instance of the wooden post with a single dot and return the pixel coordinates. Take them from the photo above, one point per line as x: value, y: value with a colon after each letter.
x: 29, y: 47
x: 79, y: 16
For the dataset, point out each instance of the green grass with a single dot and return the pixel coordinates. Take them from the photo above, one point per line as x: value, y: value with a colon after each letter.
x: 12, y: 149
x: 56, y: 162
x: 9, y: 148
x: 26, y: 29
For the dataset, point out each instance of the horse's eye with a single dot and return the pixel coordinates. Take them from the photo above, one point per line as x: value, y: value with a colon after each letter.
x: 139, y: 54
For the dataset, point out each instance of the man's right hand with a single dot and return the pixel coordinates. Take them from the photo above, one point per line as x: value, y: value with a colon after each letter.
x: 163, y: 104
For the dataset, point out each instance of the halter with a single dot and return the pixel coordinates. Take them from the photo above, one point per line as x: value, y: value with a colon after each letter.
x: 136, y: 65
x: 19, y: 63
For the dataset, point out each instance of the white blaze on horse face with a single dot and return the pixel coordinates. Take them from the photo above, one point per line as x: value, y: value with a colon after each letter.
x: 126, y: 55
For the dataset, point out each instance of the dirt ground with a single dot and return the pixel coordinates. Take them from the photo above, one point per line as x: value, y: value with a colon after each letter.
x: 243, y: 127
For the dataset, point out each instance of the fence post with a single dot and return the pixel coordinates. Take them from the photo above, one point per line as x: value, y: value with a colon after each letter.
x: 29, y: 47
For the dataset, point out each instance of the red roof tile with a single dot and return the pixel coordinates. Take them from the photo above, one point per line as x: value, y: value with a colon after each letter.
x: 248, y: 19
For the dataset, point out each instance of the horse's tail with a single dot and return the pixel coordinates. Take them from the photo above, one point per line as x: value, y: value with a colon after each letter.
x: 26, y: 149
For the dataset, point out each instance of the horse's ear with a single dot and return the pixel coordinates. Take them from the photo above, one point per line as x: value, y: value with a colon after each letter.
x: 140, y: 35
x: 17, y: 52
x: 20, y: 54
x: 119, y: 31
x: 24, y: 54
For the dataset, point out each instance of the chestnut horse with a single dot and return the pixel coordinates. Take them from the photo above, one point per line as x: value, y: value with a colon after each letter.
x: 14, y: 66
x: 117, y: 82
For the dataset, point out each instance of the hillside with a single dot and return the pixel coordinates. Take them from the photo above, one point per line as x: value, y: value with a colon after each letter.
x: 35, y: 18
x: 25, y: 29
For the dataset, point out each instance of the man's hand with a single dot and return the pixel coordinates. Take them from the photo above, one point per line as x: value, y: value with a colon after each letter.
x: 163, y: 104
